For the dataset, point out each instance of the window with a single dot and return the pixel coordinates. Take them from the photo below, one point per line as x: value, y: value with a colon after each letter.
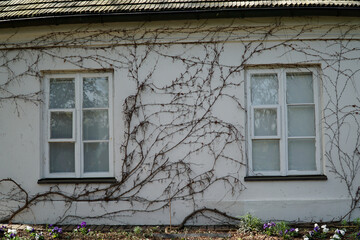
x: 283, y: 129
x: 79, y: 126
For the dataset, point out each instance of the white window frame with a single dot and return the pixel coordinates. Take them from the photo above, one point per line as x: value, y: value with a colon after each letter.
x: 77, y: 127
x: 282, y: 121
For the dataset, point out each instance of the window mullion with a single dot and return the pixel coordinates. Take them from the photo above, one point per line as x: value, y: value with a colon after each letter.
x: 78, y: 126
x: 110, y: 115
x: 47, y: 131
x: 283, y: 123
x: 318, y: 123
x: 249, y: 125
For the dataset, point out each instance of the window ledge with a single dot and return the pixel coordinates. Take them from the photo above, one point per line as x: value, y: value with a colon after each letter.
x: 76, y: 180
x: 285, y: 178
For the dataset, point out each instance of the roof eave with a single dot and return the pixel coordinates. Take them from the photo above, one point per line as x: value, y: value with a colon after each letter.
x: 180, y: 15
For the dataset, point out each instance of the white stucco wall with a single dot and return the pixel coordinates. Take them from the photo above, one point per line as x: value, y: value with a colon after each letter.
x: 21, y: 123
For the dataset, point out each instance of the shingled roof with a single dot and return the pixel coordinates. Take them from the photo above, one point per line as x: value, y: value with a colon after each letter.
x: 18, y: 10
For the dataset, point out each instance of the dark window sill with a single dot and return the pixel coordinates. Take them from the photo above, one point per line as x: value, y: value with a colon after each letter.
x: 76, y: 180
x: 286, y: 178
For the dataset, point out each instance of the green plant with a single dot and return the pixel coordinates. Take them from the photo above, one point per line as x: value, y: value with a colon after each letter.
x: 11, y: 234
x: 282, y: 228
x: 357, y: 221
x: 82, y: 228
x: 3, y: 230
x: 291, y: 233
x: 356, y: 235
x: 318, y: 233
x: 149, y: 232
x: 270, y: 228
x: 54, y: 232
x: 35, y: 235
x: 339, y: 234
x: 137, y: 230
x: 249, y: 223
x: 344, y: 222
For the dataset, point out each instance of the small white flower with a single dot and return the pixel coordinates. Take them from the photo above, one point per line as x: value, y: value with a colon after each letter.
x: 29, y: 228
x: 316, y: 225
x: 325, y: 230
x: 335, y: 236
x: 323, y: 226
x: 296, y: 230
x: 12, y: 231
x: 342, y: 232
x: 306, y: 238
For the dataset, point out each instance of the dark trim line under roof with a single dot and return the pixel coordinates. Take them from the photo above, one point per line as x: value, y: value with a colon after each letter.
x: 16, y: 13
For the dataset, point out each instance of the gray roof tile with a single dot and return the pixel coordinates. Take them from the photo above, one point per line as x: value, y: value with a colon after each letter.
x: 12, y: 9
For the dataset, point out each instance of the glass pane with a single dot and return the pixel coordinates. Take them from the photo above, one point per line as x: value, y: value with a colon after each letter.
x: 264, y: 89
x: 62, y: 93
x: 61, y: 125
x: 95, y: 92
x: 302, y: 154
x: 96, y: 157
x: 265, y: 122
x: 62, y: 157
x: 95, y: 125
x: 299, y: 88
x: 301, y: 121
x: 265, y: 155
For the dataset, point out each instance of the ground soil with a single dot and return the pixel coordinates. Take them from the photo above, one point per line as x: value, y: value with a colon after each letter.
x: 153, y: 232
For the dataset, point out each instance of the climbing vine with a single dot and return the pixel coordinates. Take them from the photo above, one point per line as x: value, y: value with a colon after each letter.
x: 177, y: 143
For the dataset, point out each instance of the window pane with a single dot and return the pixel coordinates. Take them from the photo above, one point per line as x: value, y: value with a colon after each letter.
x: 95, y: 92
x: 265, y: 155
x: 301, y: 121
x: 62, y: 157
x: 264, y: 89
x: 302, y: 154
x: 265, y: 121
x: 299, y: 88
x: 61, y: 125
x: 96, y: 157
x: 95, y: 125
x: 62, y: 93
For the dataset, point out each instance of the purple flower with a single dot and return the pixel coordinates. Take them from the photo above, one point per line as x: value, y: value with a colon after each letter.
x: 78, y: 227
x: 12, y: 235
x: 292, y: 229
x: 56, y: 228
x: 286, y: 231
x: 51, y: 225
x: 83, y: 224
x: 268, y: 225
x: 311, y: 233
x: 280, y: 232
x: 60, y: 230
x: 316, y: 229
x: 89, y: 230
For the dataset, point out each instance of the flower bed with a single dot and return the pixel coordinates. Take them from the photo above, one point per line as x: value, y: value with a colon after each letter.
x: 249, y: 228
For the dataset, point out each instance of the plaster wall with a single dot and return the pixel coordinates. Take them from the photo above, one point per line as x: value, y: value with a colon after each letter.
x: 22, y: 123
